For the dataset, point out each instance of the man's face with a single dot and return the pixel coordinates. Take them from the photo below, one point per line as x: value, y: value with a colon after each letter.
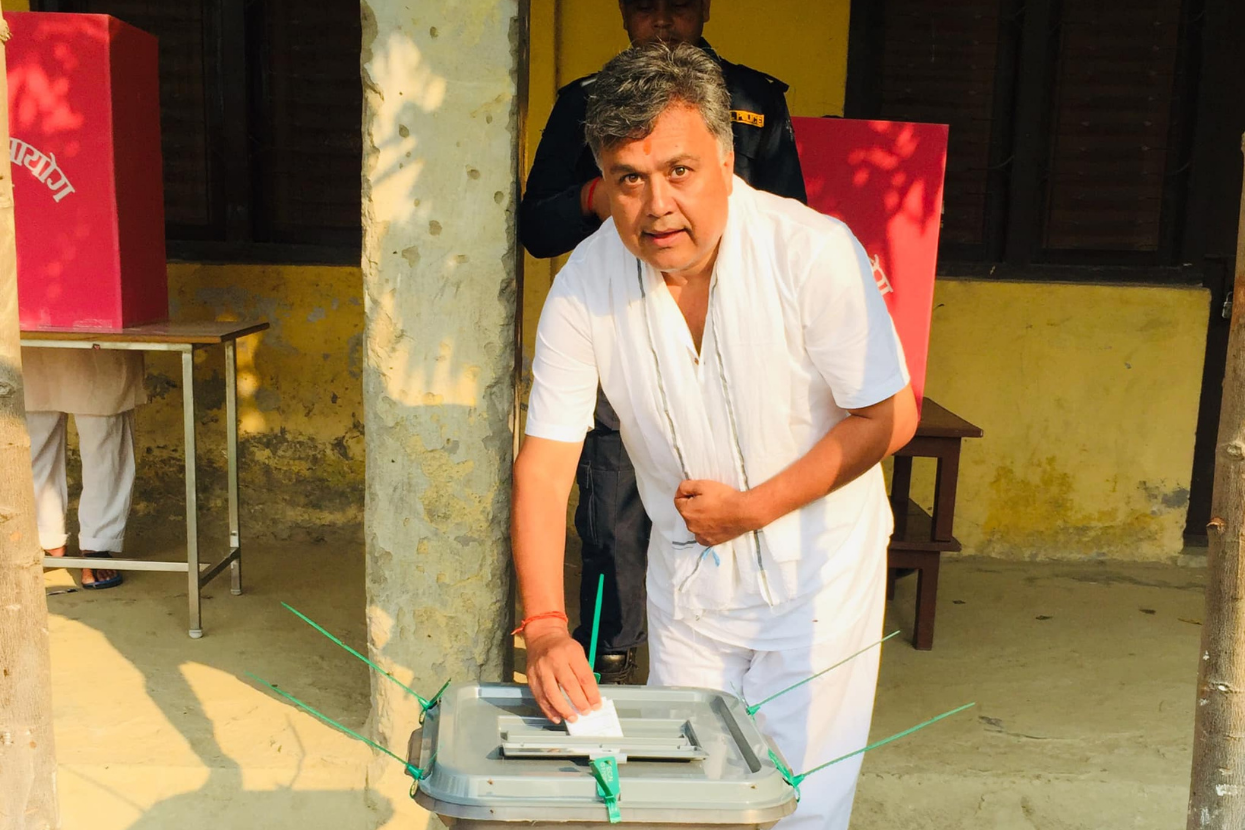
x: 668, y: 192
x: 670, y: 21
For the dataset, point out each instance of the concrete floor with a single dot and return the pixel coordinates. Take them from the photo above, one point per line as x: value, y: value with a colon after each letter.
x: 1084, y: 679
x: 1083, y: 675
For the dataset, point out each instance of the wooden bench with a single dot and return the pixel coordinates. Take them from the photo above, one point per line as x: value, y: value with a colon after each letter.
x: 920, y: 538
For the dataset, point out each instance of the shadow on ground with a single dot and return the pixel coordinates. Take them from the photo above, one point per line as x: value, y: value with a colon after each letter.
x: 155, y: 730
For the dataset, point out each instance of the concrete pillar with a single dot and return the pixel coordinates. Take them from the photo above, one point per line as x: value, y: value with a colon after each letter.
x: 439, y: 189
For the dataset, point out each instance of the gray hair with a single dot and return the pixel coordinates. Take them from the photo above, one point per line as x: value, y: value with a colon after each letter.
x: 637, y: 86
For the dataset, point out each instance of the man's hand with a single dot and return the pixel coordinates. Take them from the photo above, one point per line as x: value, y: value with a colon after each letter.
x: 556, y: 663
x: 714, y: 512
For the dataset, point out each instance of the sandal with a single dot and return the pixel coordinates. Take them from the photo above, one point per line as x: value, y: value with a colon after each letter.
x: 100, y: 584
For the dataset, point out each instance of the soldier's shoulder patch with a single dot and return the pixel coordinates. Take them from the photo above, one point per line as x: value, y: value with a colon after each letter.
x: 754, y: 119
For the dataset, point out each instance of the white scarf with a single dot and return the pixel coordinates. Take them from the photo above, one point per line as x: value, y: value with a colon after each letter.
x: 752, y: 359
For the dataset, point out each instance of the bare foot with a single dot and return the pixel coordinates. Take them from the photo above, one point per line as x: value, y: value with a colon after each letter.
x: 89, y: 575
x: 97, y: 575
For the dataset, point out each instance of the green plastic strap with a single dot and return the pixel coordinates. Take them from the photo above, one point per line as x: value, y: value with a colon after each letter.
x: 800, y: 778
x: 752, y: 709
x: 609, y: 787
x: 596, y: 627
x: 437, y: 697
x: 417, y: 773
x: 432, y: 704
x: 424, y: 704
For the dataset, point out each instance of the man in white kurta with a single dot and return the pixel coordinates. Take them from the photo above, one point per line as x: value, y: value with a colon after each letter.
x: 758, y: 381
x: 101, y: 390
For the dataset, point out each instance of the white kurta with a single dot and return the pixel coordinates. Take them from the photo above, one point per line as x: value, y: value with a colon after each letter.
x: 83, y: 381
x: 840, y: 351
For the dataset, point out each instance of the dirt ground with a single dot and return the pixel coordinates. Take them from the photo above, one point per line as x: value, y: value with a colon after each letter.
x: 1083, y: 677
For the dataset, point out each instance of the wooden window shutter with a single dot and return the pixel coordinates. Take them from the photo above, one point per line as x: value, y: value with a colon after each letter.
x: 1111, y: 120
x: 939, y: 65
x: 307, y: 113
x: 184, y: 117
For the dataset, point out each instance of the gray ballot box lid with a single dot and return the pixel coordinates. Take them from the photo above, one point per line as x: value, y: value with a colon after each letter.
x: 689, y: 757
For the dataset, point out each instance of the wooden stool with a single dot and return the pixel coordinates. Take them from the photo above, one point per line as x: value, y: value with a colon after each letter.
x: 919, y: 538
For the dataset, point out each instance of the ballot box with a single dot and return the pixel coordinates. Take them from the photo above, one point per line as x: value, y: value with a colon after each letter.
x: 84, y: 148
x: 885, y: 180
x: 690, y: 758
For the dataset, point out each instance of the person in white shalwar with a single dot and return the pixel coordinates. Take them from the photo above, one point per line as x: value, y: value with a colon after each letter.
x: 759, y: 382
x: 101, y: 389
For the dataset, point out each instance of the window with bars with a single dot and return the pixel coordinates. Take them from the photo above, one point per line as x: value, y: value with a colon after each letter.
x: 1068, y: 141
x: 261, y: 107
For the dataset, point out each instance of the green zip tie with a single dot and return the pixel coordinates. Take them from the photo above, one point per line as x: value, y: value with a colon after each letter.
x: 432, y: 703
x: 416, y: 773
x: 424, y: 704
x: 424, y: 710
x: 437, y: 697
x: 800, y: 778
x: 752, y: 710
x: 609, y: 787
x: 596, y: 627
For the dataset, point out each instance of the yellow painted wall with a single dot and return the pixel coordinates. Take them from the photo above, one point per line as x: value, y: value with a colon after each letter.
x: 1088, y: 396
x: 782, y: 37
x: 15, y: 5
x: 299, y: 397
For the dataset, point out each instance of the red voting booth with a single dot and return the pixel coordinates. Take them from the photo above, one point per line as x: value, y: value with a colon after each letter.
x: 884, y: 179
x: 84, y: 121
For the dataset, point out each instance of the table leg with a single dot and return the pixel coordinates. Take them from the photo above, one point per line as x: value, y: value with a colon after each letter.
x: 901, y: 482
x: 926, y: 603
x: 192, y: 494
x: 231, y: 421
x: 946, y: 480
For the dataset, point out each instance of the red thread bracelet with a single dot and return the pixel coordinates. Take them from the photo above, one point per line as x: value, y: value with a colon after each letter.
x: 592, y: 189
x: 548, y: 615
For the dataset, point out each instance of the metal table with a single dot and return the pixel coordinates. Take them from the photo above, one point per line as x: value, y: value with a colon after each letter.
x: 185, y: 338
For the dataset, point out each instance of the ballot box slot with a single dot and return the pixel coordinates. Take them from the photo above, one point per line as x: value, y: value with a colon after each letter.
x: 650, y: 739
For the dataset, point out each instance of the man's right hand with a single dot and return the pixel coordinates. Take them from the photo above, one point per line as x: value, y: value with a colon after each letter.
x: 556, y: 663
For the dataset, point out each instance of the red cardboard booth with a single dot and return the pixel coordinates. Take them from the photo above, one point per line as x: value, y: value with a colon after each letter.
x: 84, y: 121
x: 885, y: 180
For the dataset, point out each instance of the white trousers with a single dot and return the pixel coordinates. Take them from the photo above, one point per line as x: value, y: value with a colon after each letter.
x: 107, y: 446
x: 816, y: 723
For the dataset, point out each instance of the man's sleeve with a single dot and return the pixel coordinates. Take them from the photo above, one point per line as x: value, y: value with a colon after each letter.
x: 550, y: 220
x: 778, y: 164
x: 847, y: 328
x: 564, y: 370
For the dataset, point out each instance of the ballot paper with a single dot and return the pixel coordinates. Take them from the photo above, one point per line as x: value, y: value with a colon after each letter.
x: 603, y: 723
